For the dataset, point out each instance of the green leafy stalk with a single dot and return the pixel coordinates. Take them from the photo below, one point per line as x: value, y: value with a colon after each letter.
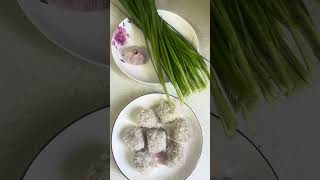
x: 251, y: 56
x: 174, y: 57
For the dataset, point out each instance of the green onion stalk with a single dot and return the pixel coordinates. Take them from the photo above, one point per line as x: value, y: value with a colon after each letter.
x: 174, y: 57
x: 251, y: 55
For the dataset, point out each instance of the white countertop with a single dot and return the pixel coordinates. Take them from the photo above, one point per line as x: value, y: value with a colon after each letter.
x: 123, y: 89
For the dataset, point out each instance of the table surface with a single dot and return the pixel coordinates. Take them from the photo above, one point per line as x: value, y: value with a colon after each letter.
x: 123, y: 89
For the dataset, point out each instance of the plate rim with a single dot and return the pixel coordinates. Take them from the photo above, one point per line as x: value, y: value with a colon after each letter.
x: 159, y: 93
x: 255, y: 146
x: 56, y: 135
x: 152, y: 83
x: 56, y: 43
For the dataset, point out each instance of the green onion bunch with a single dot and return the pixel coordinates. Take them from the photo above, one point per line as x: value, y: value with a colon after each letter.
x: 252, y: 58
x: 173, y: 56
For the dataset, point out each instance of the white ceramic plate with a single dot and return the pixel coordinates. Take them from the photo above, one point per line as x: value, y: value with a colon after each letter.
x: 123, y: 157
x: 68, y: 155
x: 83, y: 34
x: 146, y: 73
x: 237, y: 158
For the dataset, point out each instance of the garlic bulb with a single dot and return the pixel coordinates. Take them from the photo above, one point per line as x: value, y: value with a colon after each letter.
x: 134, y: 55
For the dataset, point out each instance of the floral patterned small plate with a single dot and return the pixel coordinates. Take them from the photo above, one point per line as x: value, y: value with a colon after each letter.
x: 128, y: 35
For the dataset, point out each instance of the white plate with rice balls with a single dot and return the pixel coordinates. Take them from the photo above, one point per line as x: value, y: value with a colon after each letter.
x: 153, y: 138
x: 129, y: 49
x: 80, y: 151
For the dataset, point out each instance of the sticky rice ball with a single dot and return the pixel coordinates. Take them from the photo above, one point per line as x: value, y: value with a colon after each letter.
x: 165, y: 112
x: 175, y: 154
x: 143, y: 160
x: 100, y: 169
x: 147, y: 118
x: 183, y: 131
x: 134, y: 139
x: 156, y: 140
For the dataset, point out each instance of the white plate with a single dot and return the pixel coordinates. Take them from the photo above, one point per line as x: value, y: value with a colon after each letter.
x: 146, y: 73
x: 68, y: 155
x: 83, y: 34
x: 122, y: 155
x: 237, y: 158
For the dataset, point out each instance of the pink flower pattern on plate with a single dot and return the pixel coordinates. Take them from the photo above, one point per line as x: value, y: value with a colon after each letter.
x: 119, y: 37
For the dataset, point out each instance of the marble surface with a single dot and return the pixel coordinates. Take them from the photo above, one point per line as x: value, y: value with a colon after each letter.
x: 123, y: 89
x: 42, y: 89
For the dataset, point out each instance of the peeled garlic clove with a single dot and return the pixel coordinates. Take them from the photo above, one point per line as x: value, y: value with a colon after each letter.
x: 134, y: 55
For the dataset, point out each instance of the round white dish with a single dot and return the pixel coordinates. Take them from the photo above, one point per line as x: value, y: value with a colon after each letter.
x: 71, y: 152
x: 83, y: 34
x: 237, y: 158
x: 146, y: 73
x: 123, y: 156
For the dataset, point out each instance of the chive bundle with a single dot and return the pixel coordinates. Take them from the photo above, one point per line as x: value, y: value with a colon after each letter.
x: 251, y: 57
x: 173, y: 56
